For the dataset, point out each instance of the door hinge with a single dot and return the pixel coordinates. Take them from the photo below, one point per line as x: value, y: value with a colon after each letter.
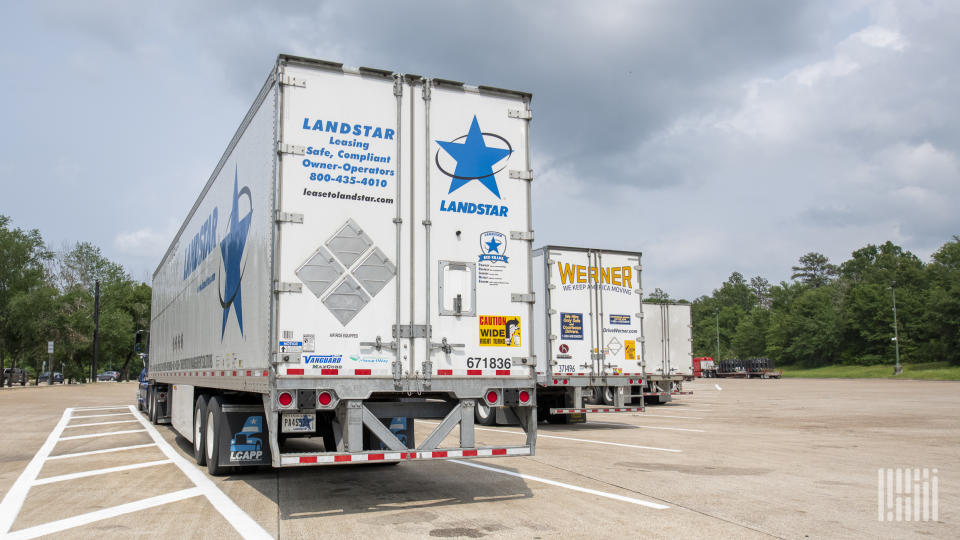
x: 523, y: 114
x: 297, y: 150
x: 523, y: 297
x: 286, y: 286
x: 521, y: 235
x: 288, y: 80
x: 522, y: 175
x: 288, y: 217
x: 411, y: 331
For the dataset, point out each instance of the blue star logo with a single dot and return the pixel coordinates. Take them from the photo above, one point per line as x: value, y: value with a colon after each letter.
x: 475, y: 160
x: 231, y: 250
x: 493, y: 246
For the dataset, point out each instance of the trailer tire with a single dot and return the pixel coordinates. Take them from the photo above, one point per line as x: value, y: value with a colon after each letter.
x: 152, y: 405
x: 200, y: 431
x: 212, y: 425
x: 608, y: 396
x: 484, y: 414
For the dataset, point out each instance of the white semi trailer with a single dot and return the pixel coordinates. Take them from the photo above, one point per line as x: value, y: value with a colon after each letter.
x: 590, y: 349
x: 360, y: 258
x: 668, y: 350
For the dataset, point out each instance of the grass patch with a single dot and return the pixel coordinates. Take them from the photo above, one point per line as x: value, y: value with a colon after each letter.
x: 935, y: 371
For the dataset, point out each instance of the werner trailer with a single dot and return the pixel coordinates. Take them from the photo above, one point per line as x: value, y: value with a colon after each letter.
x: 668, y: 350
x: 325, y: 290
x: 588, y: 352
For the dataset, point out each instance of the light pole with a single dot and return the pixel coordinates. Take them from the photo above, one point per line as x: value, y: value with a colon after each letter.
x: 717, y: 313
x: 898, y: 369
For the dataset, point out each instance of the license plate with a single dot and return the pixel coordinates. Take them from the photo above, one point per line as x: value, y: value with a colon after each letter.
x: 298, y: 422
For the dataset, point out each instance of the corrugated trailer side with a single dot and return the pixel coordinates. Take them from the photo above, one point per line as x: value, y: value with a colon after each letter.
x: 366, y: 265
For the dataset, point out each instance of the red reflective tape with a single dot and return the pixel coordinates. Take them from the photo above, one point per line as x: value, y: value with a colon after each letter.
x: 439, y: 454
x: 249, y: 373
x: 234, y: 373
x: 342, y: 458
x: 329, y: 372
x: 503, y: 372
x: 374, y: 457
x: 474, y: 372
x: 294, y: 371
x: 499, y: 451
x: 444, y: 372
x: 468, y: 453
x: 361, y: 372
x: 223, y: 373
x: 310, y: 459
x: 411, y: 455
x: 264, y: 373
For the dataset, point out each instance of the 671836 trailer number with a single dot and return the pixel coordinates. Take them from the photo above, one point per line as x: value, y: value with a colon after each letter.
x: 475, y: 362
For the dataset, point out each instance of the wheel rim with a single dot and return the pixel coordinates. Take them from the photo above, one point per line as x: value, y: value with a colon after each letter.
x: 483, y: 411
x: 210, y: 435
x: 197, y: 431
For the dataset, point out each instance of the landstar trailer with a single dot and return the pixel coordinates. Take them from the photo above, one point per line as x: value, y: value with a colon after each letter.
x: 668, y: 350
x: 589, y: 352
x: 360, y: 258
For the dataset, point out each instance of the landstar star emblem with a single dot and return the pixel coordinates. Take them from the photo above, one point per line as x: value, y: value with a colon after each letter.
x: 493, y: 246
x: 475, y: 160
x: 231, y: 250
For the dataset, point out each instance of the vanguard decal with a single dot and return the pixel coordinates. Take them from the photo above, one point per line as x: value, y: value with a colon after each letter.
x: 475, y: 160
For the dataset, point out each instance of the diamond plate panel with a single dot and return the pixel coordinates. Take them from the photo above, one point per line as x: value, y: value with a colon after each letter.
x: 346, y: 300
x: 375, y: 271
x: 349, y: 243
x: 320, y: 271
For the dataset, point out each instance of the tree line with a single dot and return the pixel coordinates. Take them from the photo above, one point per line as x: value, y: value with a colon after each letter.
x: 48, y: 295
x: 838, y: 314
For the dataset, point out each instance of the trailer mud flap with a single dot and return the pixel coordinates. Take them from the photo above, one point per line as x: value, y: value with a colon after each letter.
x: 244, y: 438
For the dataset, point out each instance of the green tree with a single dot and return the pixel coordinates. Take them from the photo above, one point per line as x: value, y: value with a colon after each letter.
x: 804, y: 325
x: 23, y: 256
x: 814, y: 270
x: 940, y: 338
x: 750, y: 338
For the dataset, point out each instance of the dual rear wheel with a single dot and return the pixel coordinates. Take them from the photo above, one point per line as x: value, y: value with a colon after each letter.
x: 208, y: 418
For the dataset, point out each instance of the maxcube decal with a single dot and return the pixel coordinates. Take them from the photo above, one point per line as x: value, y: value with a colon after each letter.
x: 323, y: 360
x: 248, y: 444
x: 473, y: 157
x: 492, y: 262
x: 615, y: 278
x: 231, y: 251
x: 499, y: 331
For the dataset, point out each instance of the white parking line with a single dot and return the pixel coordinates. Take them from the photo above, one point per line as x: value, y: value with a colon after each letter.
x: 106, y: 513
x: 614, y: 496
x: 99, y: 415
x: 542, y: 436
x: 92, y: 435
x: 96, y: 472
x: 103, y: 423
x: 671, y: 416
x: 241, y: 521
x: 648, y: 427
x: 13, y: 500
x: 105, y: 451
x: 104, y: 408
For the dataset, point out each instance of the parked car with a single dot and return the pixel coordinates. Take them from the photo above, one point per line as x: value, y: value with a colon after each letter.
x: 109, y: 376
x: 57, y: 377
x: 14, y: 376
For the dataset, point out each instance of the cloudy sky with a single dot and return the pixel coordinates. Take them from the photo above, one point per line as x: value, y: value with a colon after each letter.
x: 713, y: 136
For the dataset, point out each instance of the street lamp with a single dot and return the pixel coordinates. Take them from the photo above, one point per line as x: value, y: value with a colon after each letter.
x: 717, y: 313
x: 898, y: 369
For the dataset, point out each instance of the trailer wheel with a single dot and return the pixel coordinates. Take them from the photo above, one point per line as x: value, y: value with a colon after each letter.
x: 152, y: 405
x: 212, y: 425
x: 484, y: 414
x: 200, y: 431
x: 608, y: 395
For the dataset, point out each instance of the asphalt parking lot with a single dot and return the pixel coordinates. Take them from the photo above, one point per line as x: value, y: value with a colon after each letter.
x: 739, y: 458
